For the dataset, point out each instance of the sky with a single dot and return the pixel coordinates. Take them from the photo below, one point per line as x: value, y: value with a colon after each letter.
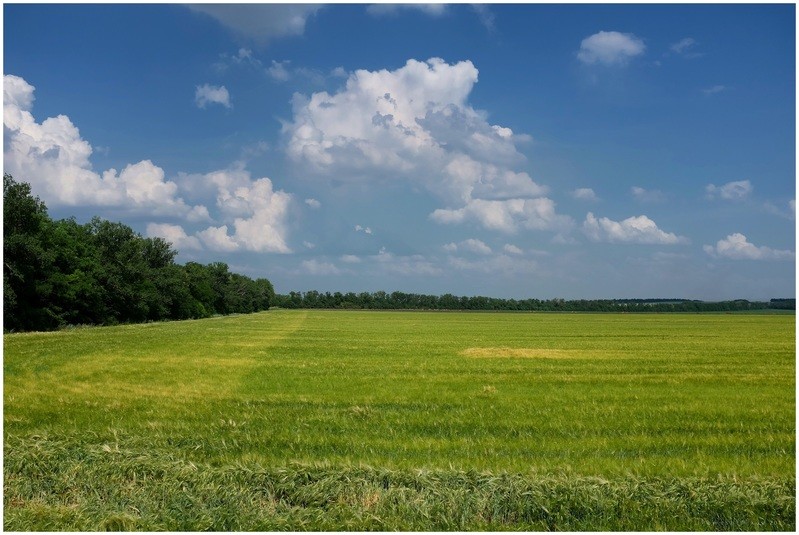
x: 520, y: 151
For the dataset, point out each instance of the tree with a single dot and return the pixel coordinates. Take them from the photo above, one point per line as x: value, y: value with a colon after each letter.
x: 27, y: 263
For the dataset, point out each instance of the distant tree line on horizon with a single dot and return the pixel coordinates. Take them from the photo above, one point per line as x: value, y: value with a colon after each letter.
x: 59, y: 273
x: 410, y: 301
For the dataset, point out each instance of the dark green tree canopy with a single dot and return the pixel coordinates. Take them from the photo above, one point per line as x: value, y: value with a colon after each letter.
x: 58, y: 273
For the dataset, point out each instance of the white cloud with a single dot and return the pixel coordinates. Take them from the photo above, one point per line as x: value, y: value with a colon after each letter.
x: 486, y: 16
x: 317, y: 267
x: 412, y: 124
x: 175, y: 235
x: 584, y: 194
x: 278, y: 70
x: 639, y: 229
x: 475, y: 246
x: 731, y: 191
x: 512, y: 249
x: 209, y: 94
x: 682, y: 46
x: 256, y: 212
x: 508, y: 215
x: 686, y: 47
x: 365, y: 230
x: 471, y: 245
x: 313, y: 203
x: 53, y: 158
x: 261, y: 22
x: 434, y: 10
x: 282, y: 71
x: 243, y: 57
x: 610, y: 48
x: 736, y: 246
x: 350, y: 259
x: 789, y: 212
x: 197, y: 214
x: 217, y: 239
x: 308, y: 245
x: 645, y: 195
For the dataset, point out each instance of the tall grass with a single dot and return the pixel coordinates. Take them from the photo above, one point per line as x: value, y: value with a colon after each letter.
x: 413, y: 421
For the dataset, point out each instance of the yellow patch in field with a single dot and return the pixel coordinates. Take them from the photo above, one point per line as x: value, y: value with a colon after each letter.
x: 523, y: 353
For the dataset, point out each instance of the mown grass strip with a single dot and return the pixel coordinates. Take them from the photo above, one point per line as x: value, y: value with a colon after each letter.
x: 59, y: 485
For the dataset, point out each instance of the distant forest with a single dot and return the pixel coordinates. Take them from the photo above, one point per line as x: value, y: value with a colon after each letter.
x: 411, y: 301
x: 61, y: 273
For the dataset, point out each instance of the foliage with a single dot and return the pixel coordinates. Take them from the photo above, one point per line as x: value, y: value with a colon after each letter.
x: 355, y: 420
x: 410, y: 301
x: 142, y: 491
x: 58, y: 273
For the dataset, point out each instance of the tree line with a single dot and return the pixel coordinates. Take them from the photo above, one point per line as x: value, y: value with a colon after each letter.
x: 411, y: 301
x: 58, y: 273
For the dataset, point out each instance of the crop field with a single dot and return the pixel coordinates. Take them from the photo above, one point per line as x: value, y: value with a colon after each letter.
x: 334, y: 420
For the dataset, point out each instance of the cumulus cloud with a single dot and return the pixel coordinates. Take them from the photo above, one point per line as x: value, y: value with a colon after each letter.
x: 731, y: 191
x: 610, y: 48
x: 260, y: 22
x: 471, y: 245
x: 512, y: 249
x: 412, y: 124
x: 175, y: 235
x: 638, y: 229
x: 255, y: 215
x: 55, y: 160
x: 217, y: 239
x: 737, y: 247
x: 197, y: 214
x: 508, y: 215
x: 208, y: 94
x: 584, y: 194
x: 313, y: 203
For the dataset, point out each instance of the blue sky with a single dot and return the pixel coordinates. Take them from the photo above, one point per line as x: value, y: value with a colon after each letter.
x: 575, y: 151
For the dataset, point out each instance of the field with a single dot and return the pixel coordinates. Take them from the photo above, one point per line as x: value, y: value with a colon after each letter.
x: 331, y: 420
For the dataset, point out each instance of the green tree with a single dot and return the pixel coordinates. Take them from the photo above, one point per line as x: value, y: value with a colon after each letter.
x: 27, y: 263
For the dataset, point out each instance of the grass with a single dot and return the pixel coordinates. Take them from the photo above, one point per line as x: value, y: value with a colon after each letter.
x: 306, y: 420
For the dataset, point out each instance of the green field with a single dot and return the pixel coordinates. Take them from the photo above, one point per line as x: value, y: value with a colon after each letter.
x: 329, y: 420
